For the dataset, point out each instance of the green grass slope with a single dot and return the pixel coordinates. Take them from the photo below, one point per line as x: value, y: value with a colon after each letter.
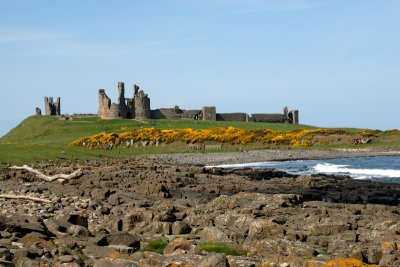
x: 47, y: 137
x: 50, y: 130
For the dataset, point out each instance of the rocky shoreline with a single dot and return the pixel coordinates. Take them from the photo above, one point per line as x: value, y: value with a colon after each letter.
x: 108, y: 215
x: 261, y: 155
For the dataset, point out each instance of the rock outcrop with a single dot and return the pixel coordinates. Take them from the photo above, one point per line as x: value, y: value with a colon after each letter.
x: 107, y: 215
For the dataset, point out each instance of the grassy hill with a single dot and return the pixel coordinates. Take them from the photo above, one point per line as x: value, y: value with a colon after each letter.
x: 46, y: 137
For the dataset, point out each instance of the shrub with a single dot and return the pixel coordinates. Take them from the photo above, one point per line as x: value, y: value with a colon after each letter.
x: 231, y: 135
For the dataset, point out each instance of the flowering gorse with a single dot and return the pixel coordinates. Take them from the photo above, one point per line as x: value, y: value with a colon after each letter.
x: 229, y: 135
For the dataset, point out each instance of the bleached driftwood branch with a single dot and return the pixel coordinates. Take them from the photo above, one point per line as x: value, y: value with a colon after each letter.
x: 59, y: 177
x: 25, y: 197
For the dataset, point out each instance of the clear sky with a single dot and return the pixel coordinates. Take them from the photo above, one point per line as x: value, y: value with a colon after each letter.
x: 337, y: 61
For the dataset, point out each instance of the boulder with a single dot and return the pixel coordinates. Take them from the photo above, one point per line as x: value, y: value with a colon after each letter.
x: 156, y: 228
x: 327, y: 229
x: 213, y: 234
x: 37, y: 239
x: 215, y: 260
x: 124, y: 239
x: 66, y: 258
x: 22, y: 224
x: 261, y: 229
x: 222, y: 202
x: 180, y: 228
x: 179, y: 244
x: 273, y: 247
x: 78, y: 231
x: 374, y: 255
x: 57, y: 227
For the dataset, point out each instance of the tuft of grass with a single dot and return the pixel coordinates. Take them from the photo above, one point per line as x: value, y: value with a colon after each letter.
x: 218, y: 247
x: 157, y: 246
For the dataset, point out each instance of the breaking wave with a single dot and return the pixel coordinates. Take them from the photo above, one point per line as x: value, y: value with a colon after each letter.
x: 329, y: 168
x: 381, y: 168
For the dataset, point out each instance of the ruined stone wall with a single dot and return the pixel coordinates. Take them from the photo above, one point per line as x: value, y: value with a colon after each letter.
x: 269, y: 118
x: 191, y: 114
x: 52, y: 108
x: 38, y: 111
x: 84, y: 115
x: 231, y: 116
x: 162, y: 113
x: 209, y: 113
x: 104, y: 105
x: 294, y: 116
x: 173, y: 113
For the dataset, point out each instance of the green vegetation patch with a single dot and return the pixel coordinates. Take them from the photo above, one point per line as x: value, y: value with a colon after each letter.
x: 221, y: 248
x: 157, y: 246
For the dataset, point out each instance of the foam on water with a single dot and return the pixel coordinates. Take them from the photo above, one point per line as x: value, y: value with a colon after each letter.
x: 382, y: 168
x: 356, y: 173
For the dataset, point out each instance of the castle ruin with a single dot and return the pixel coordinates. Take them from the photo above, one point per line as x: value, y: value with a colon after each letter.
x: 50, y: 107
x: 138, y: 107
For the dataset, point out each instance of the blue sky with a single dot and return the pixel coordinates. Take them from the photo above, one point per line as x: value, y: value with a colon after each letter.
x: 336, y: 61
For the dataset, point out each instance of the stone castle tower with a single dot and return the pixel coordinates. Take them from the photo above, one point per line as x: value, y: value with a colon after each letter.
x: 137, y: 107
x: 142, y: 104
x: 52, y: 108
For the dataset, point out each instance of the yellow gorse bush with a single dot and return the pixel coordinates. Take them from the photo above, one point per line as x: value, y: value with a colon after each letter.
x: 230, y: 135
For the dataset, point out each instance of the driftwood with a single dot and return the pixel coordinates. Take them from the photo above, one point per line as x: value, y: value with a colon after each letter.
x: 59, y: 177
x: 25, y: 197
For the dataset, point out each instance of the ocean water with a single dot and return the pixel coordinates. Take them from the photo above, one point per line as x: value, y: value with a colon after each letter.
x: 381, y: 168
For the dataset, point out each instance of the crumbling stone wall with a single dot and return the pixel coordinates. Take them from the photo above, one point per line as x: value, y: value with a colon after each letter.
x: 209, y: 113
x: 175, y: 113
x: 232, y: 116
x: 293, y: 116
x: 281, y: 118
x: 38, y: 111
x: 51, y: 107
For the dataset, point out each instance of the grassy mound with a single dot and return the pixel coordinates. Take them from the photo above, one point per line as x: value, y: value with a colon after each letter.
x: 47, y: 137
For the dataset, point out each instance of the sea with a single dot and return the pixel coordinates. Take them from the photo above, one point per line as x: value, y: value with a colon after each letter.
x: 384, y: 169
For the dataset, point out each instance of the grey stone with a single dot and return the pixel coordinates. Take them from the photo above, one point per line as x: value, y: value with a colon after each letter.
x: 78, y: 231
x: 374, y: 255
x: 180, y: 228
x: 66, y: 258
x: 214, y: 260
x: 125, y: 239
x: 213, y: 234
x: 5, y: 253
